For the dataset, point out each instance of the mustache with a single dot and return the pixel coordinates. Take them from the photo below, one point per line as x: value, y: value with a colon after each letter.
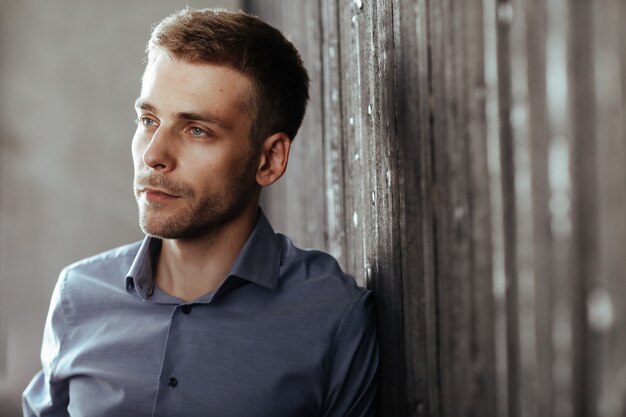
x: 162, y: 182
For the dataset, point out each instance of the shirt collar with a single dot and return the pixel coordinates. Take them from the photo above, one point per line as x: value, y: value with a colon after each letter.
x: 258, y: 261
x: 140, y: 274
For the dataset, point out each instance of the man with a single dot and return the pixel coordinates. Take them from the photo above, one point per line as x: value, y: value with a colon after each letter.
x: 212, y: 314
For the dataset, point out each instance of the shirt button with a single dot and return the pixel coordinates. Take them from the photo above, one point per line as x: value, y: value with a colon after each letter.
x: 172, y: 382
x: 186, y: 309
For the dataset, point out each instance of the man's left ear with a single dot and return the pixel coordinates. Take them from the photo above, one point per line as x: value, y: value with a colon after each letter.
x: 273, y: 159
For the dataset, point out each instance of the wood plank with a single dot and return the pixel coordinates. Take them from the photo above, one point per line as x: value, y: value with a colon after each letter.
x: 584, y: 211
x: 504, y: 19
x: 335, y: 215
x: 352, y: 136
x: 385, y: 195
x: 496, y: 204
x: 606, y: 305
x: 452, y: 205
x: 413, y: 115
x: 525, y: 277
x: 482, y: 346
x: 539, y: 137
x: 367, y: 66
x: 560, y: 203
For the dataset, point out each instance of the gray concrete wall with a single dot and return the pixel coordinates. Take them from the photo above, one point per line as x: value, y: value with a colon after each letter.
x: 69, y: 74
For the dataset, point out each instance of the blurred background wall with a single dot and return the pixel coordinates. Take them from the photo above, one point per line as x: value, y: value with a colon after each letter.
x: 69, y: 74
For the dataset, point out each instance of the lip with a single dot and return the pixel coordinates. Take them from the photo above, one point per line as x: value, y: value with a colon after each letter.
x: 156, y: 195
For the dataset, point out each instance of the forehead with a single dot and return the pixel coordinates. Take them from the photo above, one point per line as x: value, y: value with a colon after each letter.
x: 178, y: 86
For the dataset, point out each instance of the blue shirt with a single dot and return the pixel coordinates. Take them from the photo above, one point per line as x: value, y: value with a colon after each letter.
x: 286, y: 334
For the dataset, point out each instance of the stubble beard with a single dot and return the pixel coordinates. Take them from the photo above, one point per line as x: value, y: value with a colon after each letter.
x: 199, y: 217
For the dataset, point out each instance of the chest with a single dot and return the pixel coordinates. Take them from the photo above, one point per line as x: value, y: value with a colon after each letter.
x: 199, y: 360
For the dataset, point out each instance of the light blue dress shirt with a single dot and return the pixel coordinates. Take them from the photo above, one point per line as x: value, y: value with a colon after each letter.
x: 286, y: 334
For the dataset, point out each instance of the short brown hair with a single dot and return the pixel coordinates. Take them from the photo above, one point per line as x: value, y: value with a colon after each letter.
x: 280, y: 82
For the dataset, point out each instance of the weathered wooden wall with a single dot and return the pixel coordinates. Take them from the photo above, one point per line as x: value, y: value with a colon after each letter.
x: 467, y: 162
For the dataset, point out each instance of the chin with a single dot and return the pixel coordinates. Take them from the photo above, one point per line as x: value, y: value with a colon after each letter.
x: 171, y: 229
x: 190, y: 223
x: 160, y: 230
x: 157, y: 226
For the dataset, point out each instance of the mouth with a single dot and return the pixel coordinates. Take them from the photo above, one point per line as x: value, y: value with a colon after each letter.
x: 157, y: 195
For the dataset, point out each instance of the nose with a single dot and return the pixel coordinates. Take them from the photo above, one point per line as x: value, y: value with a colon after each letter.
x: 158, y: 155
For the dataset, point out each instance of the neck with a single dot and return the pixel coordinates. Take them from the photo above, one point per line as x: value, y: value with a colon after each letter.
x: 190, y: 268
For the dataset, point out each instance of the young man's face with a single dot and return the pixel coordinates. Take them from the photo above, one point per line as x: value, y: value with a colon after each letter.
x: 194, y: 163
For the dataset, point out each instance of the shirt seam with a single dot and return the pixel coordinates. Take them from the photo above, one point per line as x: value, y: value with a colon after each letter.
x: 347, y: 314
x: 343, y: 322
x: 104, y: 257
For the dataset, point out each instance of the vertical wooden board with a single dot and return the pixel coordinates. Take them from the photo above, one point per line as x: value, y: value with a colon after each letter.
x: 606, y: 308
x: 459, y: 214
x: 300, y: 215
x: 539, y: 137
x: 385, y: 203
x: 584, y: 202
x: 504, y: 20
x: 333, y: 140
x: 496, y: 204
x: 365, y: 143
x: 416, y: 214
x: 525, y: 274
x: 453, y: 226
x: 560, y: 202
x: 367, y: 31
x: 436, y: 21
x: 482, y: 347
x: 352, y: 126
x: 353, y: 23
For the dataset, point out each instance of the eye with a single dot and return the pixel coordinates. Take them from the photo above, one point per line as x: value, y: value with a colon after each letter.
x: 146, y: 121
x: 198, y: 132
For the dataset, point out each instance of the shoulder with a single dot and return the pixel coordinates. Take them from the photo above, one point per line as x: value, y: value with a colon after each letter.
x: 330, y: 297
x: 85, y: 285
x: 120, y: 258
x: 104, y: 270
x: 318, y: 274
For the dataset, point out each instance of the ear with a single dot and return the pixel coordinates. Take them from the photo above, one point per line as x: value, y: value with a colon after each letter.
x: 273, y: 159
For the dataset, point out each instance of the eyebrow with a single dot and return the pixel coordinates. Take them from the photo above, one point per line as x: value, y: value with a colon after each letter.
x: 200, y: 117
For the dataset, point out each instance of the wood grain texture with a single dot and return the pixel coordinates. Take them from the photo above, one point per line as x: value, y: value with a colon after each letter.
x: 371, y: 167
x: 451, y: 207
x: 414, y: 135
x: 605, y: 296
x: 336, y: 217
x: 473, y: 177
x: 539, y: 386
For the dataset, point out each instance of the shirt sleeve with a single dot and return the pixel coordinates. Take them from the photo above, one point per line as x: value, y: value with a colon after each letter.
x: 47, y: 395
x: 353, y: 375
